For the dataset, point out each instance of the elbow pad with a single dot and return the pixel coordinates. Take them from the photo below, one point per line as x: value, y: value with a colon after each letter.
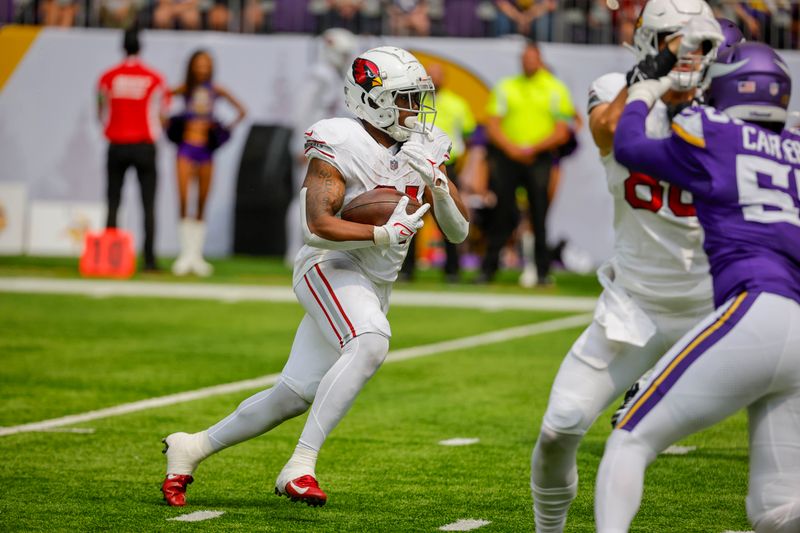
x: 453, y: 224
x: 311, y: 239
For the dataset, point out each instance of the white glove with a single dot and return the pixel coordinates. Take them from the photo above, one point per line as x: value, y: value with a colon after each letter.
x: 419, y: 160
x: 401, y: 226
x: 649, y: 91
x: 695, y: 32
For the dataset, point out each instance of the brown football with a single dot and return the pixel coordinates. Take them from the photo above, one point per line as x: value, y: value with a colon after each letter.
x: 376, y: 206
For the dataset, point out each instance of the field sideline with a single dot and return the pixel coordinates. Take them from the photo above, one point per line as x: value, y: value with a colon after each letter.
x: 383, y: 467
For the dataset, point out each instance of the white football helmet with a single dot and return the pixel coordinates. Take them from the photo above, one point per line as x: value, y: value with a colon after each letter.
x: 338, y: 47
x: 375, y: 81
x: 660, y: 18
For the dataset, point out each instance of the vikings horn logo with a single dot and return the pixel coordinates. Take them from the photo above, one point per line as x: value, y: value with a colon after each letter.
x: 366, y: 74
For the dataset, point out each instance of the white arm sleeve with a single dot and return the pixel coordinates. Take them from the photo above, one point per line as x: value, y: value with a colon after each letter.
x: 453, y: 224
x: 316, y: 241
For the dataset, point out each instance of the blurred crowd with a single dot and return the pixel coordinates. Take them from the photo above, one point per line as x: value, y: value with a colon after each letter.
x: 776, y: 22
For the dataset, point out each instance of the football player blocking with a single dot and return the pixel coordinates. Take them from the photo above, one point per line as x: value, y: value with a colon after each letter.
x: 743, y: 170
x: 656, y: 286
x: 344, y: 273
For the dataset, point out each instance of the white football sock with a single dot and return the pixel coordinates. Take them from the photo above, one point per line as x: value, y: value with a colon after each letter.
x: 185, y: 452
x: 554, y: 478
x: 361, y: 358
x: 257, y: 415
x: 303, y: 461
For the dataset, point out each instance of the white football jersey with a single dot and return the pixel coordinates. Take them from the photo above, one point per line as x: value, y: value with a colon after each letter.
x: 365, y: 165
x: 658, y: 244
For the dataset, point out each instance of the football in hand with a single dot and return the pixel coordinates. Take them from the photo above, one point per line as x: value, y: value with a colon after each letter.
x: 376, y: 206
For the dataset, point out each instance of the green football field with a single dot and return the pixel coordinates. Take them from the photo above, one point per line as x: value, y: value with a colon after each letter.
x: 383, y: 467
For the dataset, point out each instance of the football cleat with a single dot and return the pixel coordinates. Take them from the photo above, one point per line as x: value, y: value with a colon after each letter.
x: 302, y: 489
x: 174, y: 489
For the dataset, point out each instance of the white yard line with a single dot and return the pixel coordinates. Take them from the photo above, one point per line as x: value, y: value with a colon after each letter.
x: 678, y: 450
x: 236, y: 293
x: 197, y: 516
x: 465, y: 524
x: 264, y: 381
x: 460, y: 441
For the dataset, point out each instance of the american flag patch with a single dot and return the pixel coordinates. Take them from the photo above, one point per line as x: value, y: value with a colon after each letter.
x: 746, y: 87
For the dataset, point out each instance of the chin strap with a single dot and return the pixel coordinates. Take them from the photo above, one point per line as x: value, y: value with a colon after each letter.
x: 316, y: 241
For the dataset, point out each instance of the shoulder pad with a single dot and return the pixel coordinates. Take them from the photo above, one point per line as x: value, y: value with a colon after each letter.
x: 323, y: 138
x: 688, y: 125
x: 604, y: 89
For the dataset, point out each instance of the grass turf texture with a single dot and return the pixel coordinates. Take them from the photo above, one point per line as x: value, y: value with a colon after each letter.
x: 382, y: 467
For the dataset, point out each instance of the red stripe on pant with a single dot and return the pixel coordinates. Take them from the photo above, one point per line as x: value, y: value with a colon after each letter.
x: 335, y: 299
x: 305, y: 278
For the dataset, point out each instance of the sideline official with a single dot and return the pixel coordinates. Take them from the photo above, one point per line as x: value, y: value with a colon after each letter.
x: 132, y: 101
x: 529, y: 117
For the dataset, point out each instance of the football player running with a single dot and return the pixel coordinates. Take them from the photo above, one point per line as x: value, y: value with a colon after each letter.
x: 344, y: 273
x: 743, y: 171
x: 656, y: 287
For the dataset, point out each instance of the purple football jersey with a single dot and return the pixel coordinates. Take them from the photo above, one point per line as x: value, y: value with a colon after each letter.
x: 744, y: 180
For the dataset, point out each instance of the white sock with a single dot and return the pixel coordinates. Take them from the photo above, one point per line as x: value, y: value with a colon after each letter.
x: 186, y: 452
x: 339, y: 387
x: 303, y: 459
x: 550, y: 507
x: 554, y: 478
x: 257, y: 415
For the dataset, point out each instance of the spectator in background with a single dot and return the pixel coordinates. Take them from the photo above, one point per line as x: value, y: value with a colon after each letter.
x: 531, y: 18
x: 767, y: 21
x: 529, y: 117
x: 320, y: 98
x: 625, y: 18
x: 183, y: 13
x: 59, y: 12
x: 409, y: 17
x: 455, y: 118
x: 198, y: 133
x: 117, y: 13
x: 126, y: 96
x: 218, y: 16
x: 343, y: 14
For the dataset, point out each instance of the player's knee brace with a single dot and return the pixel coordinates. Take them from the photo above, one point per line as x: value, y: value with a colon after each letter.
x: 781, y: 519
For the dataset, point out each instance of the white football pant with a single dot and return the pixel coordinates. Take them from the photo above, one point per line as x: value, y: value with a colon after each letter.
x: 745, y: 354
x: 595, y: 372
x: 340, y: 343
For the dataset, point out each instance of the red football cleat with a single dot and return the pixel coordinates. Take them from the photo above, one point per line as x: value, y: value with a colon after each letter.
x: 303, y: 489
x: 174, y: 489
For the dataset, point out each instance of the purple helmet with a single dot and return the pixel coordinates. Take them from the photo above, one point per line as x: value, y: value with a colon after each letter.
x: 731, y: 32
x: 751, y: 82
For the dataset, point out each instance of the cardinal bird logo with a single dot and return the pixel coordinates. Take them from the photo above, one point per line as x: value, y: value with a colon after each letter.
x: 366, y: 74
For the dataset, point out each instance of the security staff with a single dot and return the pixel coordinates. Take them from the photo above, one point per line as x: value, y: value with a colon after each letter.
x: 529, y: 117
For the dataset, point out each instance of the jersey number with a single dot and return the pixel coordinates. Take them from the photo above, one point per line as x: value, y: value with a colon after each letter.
x: 645, y: 192
x: 770, y: 199
x: 411, y: 190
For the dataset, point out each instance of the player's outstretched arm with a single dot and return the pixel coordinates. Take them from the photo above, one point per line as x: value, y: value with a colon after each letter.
x: 669, y: 159
x: 321, y: 198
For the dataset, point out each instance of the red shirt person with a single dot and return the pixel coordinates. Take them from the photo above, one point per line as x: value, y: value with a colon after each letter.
x: 132, y: 102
